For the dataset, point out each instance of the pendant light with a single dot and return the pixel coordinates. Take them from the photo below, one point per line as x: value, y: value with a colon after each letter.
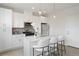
x: 54, y: 16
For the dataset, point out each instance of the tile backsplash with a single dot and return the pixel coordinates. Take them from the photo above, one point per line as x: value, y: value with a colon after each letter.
x: 17, y: 30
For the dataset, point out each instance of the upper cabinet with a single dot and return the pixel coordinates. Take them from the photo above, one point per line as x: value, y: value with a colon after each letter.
x: 5, y: 28
x: 18, y: 20
x: 5, y: 20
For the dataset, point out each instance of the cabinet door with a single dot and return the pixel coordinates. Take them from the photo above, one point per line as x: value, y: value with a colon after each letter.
x: 18, y: 19
x: 5, y: 28
x: 17, y: 41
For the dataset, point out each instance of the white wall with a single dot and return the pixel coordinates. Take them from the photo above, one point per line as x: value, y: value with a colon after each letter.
x: 57, y: 25
x: 70, y: 19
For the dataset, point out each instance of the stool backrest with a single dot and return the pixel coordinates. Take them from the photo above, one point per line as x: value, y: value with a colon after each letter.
x: 53, y: 39
x: 43, y: 41
x: 60, y: 38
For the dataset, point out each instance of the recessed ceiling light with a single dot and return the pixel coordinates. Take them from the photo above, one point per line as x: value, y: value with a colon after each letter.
x: 33, y: 8
x: 39, y: 12
x: 54, y: 16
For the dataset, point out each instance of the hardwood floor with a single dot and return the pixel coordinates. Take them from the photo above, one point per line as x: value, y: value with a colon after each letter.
x: 19, y: 52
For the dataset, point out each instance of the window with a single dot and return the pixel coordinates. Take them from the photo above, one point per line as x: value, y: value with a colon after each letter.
x: 44, y: 29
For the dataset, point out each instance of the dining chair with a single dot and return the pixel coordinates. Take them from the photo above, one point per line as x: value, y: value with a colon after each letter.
x: 61, y: 44
x: 53, y: 46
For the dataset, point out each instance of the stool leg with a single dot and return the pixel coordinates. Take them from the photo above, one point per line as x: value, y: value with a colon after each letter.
x: 42, y: 51
x: 54, y: 48
x: 48, y: 50
x: 64, y: 46
x: 57, y: 49
x: 61, y: 48
x: 33, y: 51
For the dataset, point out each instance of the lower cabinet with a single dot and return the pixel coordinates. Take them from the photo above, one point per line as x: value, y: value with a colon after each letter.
x: 17, y: 41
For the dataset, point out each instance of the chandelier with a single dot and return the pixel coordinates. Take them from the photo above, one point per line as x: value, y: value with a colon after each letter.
x: 39, y: 12
x: 54, y: 12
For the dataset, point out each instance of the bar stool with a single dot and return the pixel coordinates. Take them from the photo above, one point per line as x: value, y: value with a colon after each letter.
x: 53, y: 45
x: 42, y: 46
x: 61, y: 43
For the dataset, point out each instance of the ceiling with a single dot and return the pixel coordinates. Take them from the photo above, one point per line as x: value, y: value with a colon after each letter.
x: 43, y: 6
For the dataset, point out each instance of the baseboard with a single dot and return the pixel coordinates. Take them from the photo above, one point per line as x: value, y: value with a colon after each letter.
x: 10, y: 49
x: 73, y: 47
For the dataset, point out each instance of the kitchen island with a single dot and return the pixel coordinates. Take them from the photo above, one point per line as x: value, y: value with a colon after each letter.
x: 28, y: 42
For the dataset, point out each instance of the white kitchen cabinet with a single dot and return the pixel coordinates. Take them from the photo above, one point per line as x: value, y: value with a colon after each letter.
x: 5, y: 28
x: 18, y: 20
x: 7, y: 40
x: 17, y: 40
